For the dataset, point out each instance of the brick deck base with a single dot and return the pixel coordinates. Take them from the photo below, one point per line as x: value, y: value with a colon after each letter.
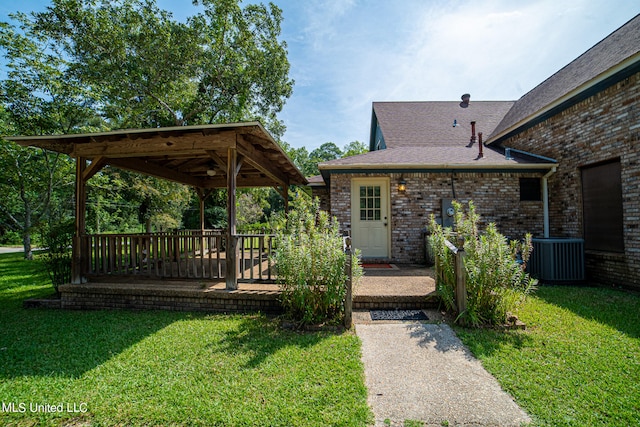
x: 99, y: 296
x: 403, y: 289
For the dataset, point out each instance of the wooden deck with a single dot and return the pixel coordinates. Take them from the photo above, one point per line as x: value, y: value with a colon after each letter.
x: 399, y: 287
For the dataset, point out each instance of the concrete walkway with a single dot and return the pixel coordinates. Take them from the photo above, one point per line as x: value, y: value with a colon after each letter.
x: 10, y: 250
x: 423, y: 372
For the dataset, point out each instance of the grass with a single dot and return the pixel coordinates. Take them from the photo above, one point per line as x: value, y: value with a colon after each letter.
x: 578, y: 362
x: 167, y: 368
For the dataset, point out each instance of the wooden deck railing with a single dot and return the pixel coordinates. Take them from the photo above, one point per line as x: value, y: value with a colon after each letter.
x: 186, y: 254
x: 255, y: 250
x: 460, y: 274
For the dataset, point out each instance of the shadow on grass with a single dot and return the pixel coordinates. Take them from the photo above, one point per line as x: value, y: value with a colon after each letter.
x: 616, y: 308
x: 485, y: 342
x: 261, y: 337
x: 65, y: 343
x: 482, y: 341
x: 69, y: 343
x: 41, y: 342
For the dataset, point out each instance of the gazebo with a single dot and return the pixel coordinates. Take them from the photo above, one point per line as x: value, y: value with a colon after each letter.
x: 204, y: 157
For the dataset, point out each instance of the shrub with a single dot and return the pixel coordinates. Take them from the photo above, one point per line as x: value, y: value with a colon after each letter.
x: 495, y: 268
x: 310, y: 263
x: 12, y: 238
x: 57, y: 239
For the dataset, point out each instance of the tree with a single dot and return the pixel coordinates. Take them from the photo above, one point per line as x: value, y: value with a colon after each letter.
x: 86, y: 65
x: 300, y: 157
x: 354, y: 148
x: 308, y: 162
x: 327, y: 151
x: 224, y: 64
x: 250, y: 210
x: 38, y: 97
x: 32, y: 188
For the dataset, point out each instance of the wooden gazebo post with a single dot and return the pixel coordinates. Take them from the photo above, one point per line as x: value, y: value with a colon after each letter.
x: 232, y: 242
x: 77, y: 262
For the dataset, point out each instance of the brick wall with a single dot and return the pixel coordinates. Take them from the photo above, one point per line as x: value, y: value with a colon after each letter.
x: 496, y: 196
x: 603, y: 127
x: 322, y: 193
x: 105, y: 296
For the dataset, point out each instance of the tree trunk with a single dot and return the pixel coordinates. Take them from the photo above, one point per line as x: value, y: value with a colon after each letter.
x: 26, y: 235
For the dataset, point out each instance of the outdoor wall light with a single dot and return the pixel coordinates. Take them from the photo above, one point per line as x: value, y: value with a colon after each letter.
x: 211, y: 172
x: 402, y: 185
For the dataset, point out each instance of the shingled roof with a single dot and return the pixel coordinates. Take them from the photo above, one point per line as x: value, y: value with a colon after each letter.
x: 436, y: 158
x: 609, y: 59
x: 429, y: 124
x: 420, y: 136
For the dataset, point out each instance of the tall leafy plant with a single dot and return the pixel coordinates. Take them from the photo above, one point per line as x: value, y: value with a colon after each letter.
x: 57, y: 238
x: 494, y: 268
x: 310, y: 262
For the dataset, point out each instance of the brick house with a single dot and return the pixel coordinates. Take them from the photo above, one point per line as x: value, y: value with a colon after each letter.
x: 562, y: 161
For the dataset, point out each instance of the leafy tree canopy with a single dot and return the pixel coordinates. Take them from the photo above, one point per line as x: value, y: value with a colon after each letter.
x: 148, y: 69
x: 91, y: 65
x: 354, y: 148
x: 308, y: 162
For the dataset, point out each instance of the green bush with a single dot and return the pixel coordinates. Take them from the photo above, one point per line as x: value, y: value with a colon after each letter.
x: 310, y: 262
x: 57, y: 239
x: 11, y: 238
x: 495, y: 268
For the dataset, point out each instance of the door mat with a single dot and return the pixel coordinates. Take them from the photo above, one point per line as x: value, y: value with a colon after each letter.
x: 398, y: 315
x: 377, y: 266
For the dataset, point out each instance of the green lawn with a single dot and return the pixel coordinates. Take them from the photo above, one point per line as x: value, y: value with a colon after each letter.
x: 578, y: 362
x: 165, y: 368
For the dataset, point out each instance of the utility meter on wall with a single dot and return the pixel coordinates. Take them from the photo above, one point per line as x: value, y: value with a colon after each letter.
x: 447, y: 212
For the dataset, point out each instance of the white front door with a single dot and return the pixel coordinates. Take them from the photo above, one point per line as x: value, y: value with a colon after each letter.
x: 370, y: 216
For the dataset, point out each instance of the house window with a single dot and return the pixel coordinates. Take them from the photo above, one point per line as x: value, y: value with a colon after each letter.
x: 602, y: 207
x: 370, y: 203
x: 530, y: 190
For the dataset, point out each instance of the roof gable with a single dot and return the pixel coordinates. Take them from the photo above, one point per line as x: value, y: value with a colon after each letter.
x: 621, y: 49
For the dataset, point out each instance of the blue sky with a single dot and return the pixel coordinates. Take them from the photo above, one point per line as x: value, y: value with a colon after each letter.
x: 346, y: 54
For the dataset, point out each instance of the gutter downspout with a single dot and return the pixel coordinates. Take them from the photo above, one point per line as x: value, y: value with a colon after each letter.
x: 545, y: 200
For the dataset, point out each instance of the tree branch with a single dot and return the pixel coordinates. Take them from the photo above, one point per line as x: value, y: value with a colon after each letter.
x: 166, y: 106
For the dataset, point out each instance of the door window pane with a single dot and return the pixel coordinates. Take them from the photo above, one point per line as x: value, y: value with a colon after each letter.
x: 370, y: 205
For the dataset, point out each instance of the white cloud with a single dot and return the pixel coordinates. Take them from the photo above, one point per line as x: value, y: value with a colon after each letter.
x: 347, y: 54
